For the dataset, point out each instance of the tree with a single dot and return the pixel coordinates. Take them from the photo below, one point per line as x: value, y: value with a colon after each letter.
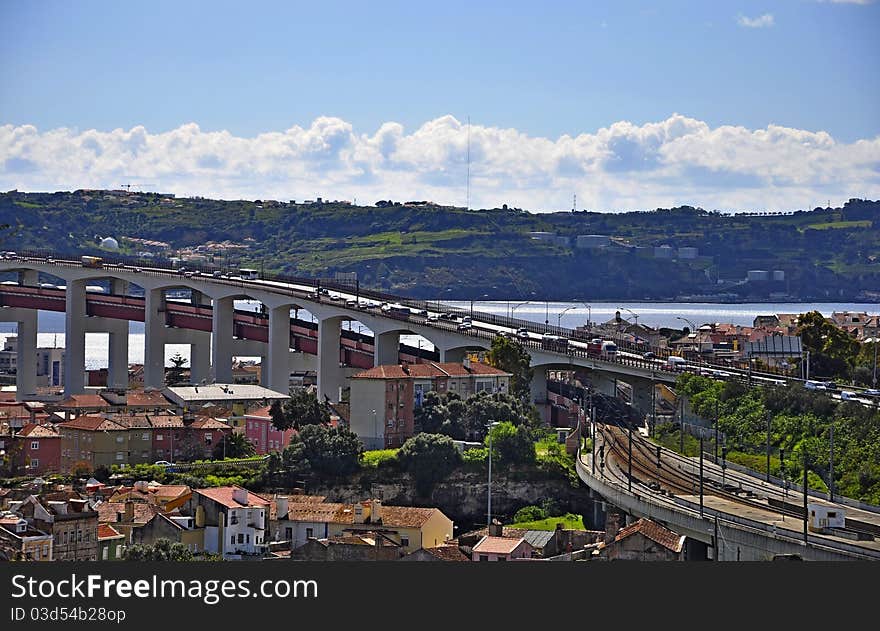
x: 174, y: 375
x: 161, y: 550
x: 511, y: 444
x: 301, y: 409
x: 429, y: 458
x: 331, y: 450
x: 234, y: 445
x: 833, y: 352
x: 484, y: 408
x: 511, y: 356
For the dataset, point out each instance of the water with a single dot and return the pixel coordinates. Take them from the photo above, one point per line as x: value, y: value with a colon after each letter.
x: 568, y: 314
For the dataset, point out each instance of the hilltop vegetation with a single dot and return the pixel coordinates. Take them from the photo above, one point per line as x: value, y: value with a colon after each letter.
x: 429, y: 251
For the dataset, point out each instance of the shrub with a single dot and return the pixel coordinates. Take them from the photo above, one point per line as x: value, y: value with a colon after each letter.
x: 430, y: 458
x: 529, y: 513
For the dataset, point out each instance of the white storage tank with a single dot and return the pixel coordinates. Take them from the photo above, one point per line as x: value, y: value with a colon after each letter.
x: 758, y: 274
x: 778, y: 275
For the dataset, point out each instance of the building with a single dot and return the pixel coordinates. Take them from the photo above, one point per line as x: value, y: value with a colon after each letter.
x: 36, y: 449
x: 542, y: 236
x: 50, y: 362
x: 260, y: 431
x: 78, y: 404
x: 491, y: 548
x: 237, y: 397
x: 111, y: 543
x: 71, y: 523
x: 20, y: 542
x: 367, y: 546
x: 664, y: 252
x: 411, y: 528
x: 643, y: 540
x: 446, y: 552
x: 688, y: 253
x: 384, y: 398
x: 139, y: 522
x: 234, y: 520
x: 757, y: 275
x: 165, y: 497
x: 591, y: 241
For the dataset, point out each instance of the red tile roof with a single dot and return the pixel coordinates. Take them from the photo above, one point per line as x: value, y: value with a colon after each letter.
x: 206, y: 422
x: 260, y: 413
x: 146, y: 398
x: 428, y: 370
x: 223, y: 495
x: 497, y: 545
x: 313, y: 511
x: 92, y: 423
x: 449, y: 552
x: 114, y: 512
x: 392, y: 516
x: 84, y: 401
x: 32, y: 430
x: 106, y: 531
x: 655, y: 532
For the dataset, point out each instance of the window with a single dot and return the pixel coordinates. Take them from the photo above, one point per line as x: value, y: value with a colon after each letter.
x: 35, y: 444
x: 232, y: 539
x: 832, y: 514
x: 105, y: 553
x: 119, y: 455
x: 404, y: 541
x: 208, y: 437
x: 79, y: 535
x: 65, y: 537
x: 119, y: 551
x: 160, y: 437
x: 87, y: 537
x: 310, y: 532
x: 45, y: 549
x: 248, y: 539
x: 484, y: 557
x: 119, y: 439
x: 288, y: 533
x: 241, y: 537
x: 35, y: 462
x: 501, y: 559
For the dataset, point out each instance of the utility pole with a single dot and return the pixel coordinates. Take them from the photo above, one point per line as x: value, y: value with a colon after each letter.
x: 629, y: 473
x: 716, y: 431
x: 768, y: 446
x: 806, y: 511
x: 831, y: 463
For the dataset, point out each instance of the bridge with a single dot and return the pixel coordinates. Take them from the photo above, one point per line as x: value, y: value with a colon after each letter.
x: 727, y: 512
x: 216, y: 331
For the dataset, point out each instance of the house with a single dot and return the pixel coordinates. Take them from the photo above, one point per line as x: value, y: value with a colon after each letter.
x: 71, y: 523
x: 143, y: 523
x: 234, y: 520
x: 78, y: 404
x: 491, y: 548
x: 111, y: 543
x: 366, y: 546
x: 20, y: 541
x: 643, y: 540
x: 546, y: 543
x: 94, y: 441
x: 260, y: 431
x: 446, y: 552
x: 165, y: 497
x: 36, y: 449
x: 412, y: 528
x: 238, y: 397
x: 384, y: 398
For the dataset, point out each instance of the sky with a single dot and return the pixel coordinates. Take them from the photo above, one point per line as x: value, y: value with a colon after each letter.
x: 603, y: 105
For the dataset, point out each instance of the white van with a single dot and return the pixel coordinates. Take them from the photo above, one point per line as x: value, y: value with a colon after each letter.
x: 675, y: 362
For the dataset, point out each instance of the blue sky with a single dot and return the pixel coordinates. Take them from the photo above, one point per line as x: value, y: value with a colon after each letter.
x: 529, y: 75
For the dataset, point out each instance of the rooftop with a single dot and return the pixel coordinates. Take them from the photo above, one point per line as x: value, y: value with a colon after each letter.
x: 655, y: 532
x: 497, y: 545
x: 224, y: 495
x: 429, y: 370
x: 222, y: 392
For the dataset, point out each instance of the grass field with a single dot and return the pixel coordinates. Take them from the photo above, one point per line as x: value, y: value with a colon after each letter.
x: 570, y: 521
x: 831, y: 225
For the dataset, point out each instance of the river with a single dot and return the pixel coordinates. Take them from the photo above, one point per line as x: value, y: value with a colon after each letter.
x: 568, y: 314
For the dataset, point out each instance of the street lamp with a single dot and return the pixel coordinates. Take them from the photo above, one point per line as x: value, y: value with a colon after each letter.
x: 634, y: 314
x: 589, y: 315
x: 693, y: 330
x: 489, y: 494
x: 561, y: 313
x: 515, y: 307
x: 375, y: 425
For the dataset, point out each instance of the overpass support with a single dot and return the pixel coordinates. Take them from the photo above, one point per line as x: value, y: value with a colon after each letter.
x: 538, y: 388
x: 197, y: 298
x: 117, y: 360
x: 604, y: 383
x: 457, y: 355
x: 74, y: 337
x: 154, y: 338
x: 221, y: 340
x: 200, y: 359
x: 26, y: 356
x: 29, y: 277
x: 276, y: 370
x: 642, y: 396
x: 331, y: 375
x: 386, y: 348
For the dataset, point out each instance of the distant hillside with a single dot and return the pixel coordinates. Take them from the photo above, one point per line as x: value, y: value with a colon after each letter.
x: 429, y: 251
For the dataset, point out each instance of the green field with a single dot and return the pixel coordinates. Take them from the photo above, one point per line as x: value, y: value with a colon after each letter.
x: 570, y: 521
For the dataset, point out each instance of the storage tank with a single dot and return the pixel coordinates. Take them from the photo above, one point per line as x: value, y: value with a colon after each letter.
x: 593, y: 240
x: 758, y: 274
x: 778, y: 275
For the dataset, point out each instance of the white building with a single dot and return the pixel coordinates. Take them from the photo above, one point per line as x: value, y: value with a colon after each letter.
x: 590, y: 241
x: 757, y: 274
x: 234, y: 520
x: 542, y: 236
x: 687, y: 253
x: 50, y: 362
x: 664, y: 252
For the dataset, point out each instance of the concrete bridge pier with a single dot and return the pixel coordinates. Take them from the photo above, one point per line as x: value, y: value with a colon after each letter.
x: 26, y: 352
x: 29, y: 277
x: 331, y: 375
x: 74, y: 337
x: 386, y: 348
x: 603, y: 383
x: 197, y: 298
x: 221, y: 340
x: 154, y: 338
x: 276, y: 367
x: 456, y: 356
x: 117, y: 360
x: 642, y: 390
x: 200, y: 359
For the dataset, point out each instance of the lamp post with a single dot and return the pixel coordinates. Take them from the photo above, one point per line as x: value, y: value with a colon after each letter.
x: 375, y: 425
x: 693, y: 327
x: 489, y: 494
x: 634, y: 314
x: 589, y: 315
x: 546, y: 315
x: 515, y: 307
x: 559, y: 316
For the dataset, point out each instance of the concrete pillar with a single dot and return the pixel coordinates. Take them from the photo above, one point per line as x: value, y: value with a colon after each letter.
x: 642, y: 389
x: 117, y: 370
x: 118, y: 287
x: 26, y: 357
x: 154, y: 338
x: 197, y: 298
x: 453, y: 355
x: 276, y: 368
x: 221, y: 340
x: 331, y: 376
x: 386, y: 348
x: 30, y: 277
x: 74, y: 337
x: 604, y: 383
x: 538, y: 393
x: 200, y: 360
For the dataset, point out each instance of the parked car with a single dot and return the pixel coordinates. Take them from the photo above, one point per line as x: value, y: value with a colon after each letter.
x: 649, y: 355
x: 433, y: 318
x: 522, y: 333
x: 163, y: 463
x: 872, y: 392
x: 814, y: 385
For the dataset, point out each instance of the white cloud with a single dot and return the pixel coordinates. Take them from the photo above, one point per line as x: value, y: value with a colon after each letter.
x: 762, y: 21
x: 624, y: 166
